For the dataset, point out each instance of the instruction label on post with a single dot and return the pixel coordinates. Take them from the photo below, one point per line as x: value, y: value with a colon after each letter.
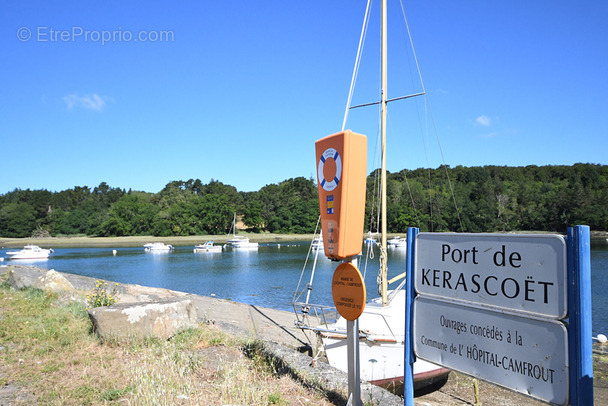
x: 348, y: 291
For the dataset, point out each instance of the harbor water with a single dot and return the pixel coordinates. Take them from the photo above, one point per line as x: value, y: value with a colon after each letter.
x: 266, y: 277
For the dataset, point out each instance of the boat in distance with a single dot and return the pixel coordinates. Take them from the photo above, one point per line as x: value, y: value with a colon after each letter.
x: 238, y: 241
x: 158, y: 247
x: 30, y: 252
x: 207, y: 247
x: 243, y: 243
x: 397, y: 242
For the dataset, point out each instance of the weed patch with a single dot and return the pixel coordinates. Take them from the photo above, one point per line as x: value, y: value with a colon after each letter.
x: 50, y: 352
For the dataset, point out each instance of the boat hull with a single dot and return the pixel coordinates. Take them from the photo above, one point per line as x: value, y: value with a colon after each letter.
x: 245, y: 245
x: 28, y: 256
x: 382, y: 363
x: 212, y: 248
x: 381, y: 346
x: 158, y: 247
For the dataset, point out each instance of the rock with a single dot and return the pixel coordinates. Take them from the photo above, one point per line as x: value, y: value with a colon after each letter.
x: 54, y: 282
x: 162, y: 318
x: 20, y: 277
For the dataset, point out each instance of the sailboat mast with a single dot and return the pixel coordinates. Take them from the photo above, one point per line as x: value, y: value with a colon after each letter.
x: 383, y: 255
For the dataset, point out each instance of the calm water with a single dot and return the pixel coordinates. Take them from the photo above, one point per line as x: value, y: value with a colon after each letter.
x: 267, y: 277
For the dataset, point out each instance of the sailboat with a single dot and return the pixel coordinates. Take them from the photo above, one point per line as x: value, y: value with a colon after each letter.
x: 382, y: 323
x: 238, y: 241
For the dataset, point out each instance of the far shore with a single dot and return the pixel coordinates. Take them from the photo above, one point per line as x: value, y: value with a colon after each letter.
x: 138, y: 241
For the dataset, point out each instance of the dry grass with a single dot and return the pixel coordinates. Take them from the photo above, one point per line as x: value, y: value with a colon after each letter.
x: 50, y: 356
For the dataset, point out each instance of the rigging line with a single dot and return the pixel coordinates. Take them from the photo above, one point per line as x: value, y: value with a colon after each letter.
x: 357, y: 61
x: 388, y: 101
x: 431, y: 114
x: 407, y: 183
x: 375, y: 200
x: 409, y: 33
x: 297, y: 295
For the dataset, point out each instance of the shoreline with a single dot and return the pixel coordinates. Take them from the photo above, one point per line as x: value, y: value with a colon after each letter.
x: 138, y: 241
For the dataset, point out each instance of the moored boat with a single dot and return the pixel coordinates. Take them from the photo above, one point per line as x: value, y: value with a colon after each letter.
x: 244, y: 243
x: 372, y: 238
x: 158, y: 247
x: 317, y: 242
x: 397, y: 242
x: 30, y: 252
x: 207, y: 247
x: 238, y: 241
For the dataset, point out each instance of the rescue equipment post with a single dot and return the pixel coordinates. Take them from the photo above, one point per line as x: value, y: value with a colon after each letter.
x: 341, y: 174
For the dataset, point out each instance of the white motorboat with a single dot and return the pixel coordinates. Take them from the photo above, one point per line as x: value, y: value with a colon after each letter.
x: 158, y: 247
x: 30, y: 252
x: 397, y: 242
x: 207, y: 247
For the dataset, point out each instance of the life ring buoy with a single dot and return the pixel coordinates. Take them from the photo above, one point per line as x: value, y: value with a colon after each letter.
x: 331, y: 184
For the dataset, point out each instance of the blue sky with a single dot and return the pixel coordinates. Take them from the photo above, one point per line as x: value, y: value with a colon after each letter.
x: 141, y: 93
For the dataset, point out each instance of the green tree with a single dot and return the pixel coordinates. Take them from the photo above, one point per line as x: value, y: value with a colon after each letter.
x: 17, y: 220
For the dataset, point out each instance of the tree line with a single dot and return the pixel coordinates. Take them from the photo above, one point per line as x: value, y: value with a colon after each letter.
x: 470, y: 199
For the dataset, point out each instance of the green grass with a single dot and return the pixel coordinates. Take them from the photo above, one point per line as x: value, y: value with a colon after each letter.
x: 50, y: 352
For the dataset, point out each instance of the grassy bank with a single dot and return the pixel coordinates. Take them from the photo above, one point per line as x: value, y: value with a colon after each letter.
x: 50, y: 356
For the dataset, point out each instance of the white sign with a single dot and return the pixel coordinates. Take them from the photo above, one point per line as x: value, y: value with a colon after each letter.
x: 525, y: 273
x: 524, y: 354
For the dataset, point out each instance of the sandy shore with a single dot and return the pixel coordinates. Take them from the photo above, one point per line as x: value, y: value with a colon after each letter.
x: 138, y: 241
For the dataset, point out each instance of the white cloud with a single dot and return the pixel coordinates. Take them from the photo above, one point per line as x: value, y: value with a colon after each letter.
x: 484, y: 121
x: 92, y: 102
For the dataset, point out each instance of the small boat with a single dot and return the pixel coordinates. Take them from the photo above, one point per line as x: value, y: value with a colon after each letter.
x: 397, y: 242
x: 207, y: 247
x: 317, y: 243
x: 244, y: 243
x: 371, y: 238
x: 158, y: 246
x: 238, y: 241
x: 30, y: 252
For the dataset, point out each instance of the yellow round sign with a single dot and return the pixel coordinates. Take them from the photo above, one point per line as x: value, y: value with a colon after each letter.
x: 348, y: 291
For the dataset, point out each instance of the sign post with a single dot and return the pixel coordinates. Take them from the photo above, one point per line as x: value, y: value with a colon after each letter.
x: 354, y: 373
x: 348, y: 291
x: 579, y: 282
x: 510, y: 309
x: 408, y: 375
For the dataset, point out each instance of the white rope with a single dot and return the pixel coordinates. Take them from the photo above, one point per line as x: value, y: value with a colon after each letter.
x: 357, y: 62
x: 297, y: 294
x: 428, y: 106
